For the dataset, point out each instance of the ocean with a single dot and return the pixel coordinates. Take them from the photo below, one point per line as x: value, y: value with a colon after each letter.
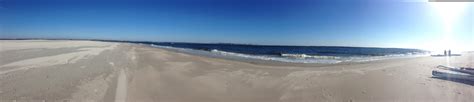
x: 291, y: 54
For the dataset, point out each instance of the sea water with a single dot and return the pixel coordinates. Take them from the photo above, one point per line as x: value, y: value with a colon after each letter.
x: 292, y: 54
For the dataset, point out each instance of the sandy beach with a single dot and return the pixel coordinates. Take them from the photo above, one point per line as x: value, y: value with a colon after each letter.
x: 57, y: 70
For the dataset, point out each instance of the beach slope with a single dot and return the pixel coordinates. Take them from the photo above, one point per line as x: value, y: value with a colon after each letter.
x: 104, y: 71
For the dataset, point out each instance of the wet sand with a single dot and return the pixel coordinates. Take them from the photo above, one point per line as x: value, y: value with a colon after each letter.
x: 101, y: 71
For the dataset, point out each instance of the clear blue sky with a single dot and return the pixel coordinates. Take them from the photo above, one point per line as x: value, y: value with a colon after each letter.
x: 376, y: 23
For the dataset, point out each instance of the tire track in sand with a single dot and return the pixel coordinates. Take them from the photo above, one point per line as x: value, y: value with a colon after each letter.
x: 121, y: 91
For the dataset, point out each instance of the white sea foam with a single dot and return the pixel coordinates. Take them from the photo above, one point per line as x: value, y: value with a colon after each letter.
x: 291, y: 58
x: 309, y: 56
x: 275, y: 58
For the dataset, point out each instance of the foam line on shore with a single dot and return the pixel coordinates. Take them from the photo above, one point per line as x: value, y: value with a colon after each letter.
x: 290, y: 58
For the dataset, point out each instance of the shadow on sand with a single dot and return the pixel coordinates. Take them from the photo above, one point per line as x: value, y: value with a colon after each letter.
x: 463, y: 81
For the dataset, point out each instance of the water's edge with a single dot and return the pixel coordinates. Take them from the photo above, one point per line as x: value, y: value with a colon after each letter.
x: 287, y: 58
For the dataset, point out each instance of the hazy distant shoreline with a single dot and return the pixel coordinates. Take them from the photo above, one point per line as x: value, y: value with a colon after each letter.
x: 137, y: 41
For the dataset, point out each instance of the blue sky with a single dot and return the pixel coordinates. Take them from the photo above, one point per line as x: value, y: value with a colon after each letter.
x: 373, y: 23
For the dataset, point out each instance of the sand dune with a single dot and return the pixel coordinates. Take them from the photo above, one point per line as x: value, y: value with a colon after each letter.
x: 102, y: 71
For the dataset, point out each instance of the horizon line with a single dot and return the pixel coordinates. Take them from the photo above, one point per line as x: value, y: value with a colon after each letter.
x: 148, y: 41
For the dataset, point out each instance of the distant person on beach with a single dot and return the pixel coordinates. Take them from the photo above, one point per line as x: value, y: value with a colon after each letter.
x: 449, y: 52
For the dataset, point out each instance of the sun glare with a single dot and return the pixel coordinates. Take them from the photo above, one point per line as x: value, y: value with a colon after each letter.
x: 449, y: 13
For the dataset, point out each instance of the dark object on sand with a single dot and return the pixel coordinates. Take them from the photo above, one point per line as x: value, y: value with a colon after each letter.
x: 457, y: 69
x: 454, y: 72
x: 446, y: 74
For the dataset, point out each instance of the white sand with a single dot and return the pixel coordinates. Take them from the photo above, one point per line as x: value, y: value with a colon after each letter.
x: 66, y: 58
x: 6, y: 45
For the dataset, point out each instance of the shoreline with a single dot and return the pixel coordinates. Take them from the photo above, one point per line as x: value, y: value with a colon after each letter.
x: 302, y: 66
x: 210, y: 54
x: 105, y: 71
